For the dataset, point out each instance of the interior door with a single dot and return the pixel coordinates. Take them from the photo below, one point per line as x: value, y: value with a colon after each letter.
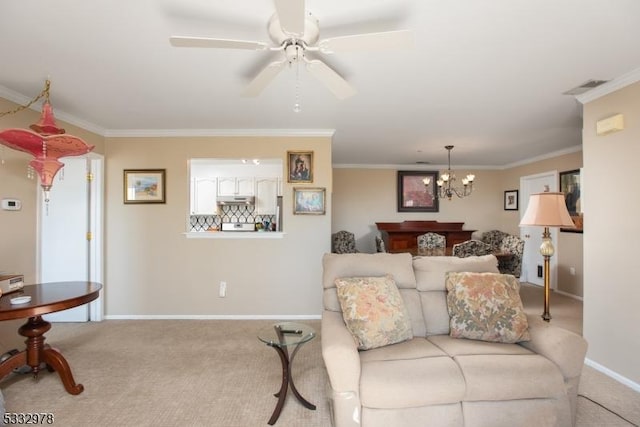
x: 65, y: 245
x: 532, y: 261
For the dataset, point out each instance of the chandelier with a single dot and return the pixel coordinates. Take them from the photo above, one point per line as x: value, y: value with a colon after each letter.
x: 46, y: 142
x: 447, y: 182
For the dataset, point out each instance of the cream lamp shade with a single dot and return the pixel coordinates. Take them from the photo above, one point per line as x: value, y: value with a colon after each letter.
x: 547, y: 210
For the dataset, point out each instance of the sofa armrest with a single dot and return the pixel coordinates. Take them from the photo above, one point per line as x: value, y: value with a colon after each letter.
x: 340, y: 353
x: 342, y: 361
x: 563, y: 347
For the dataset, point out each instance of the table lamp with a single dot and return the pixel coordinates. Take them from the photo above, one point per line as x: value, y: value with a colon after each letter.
x: 547, y: 210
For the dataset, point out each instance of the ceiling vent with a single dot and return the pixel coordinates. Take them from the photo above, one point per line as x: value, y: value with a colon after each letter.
x: 584, y: 87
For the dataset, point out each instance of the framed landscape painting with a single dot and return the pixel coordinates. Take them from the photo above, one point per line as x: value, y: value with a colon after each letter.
x: 414, y: 195
x: 309, y: 201
x: 144, y: 186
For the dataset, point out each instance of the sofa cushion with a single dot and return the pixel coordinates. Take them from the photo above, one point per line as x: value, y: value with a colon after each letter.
x: 430, y: 273
x: 430, y: 270
x: 411, y: 383
x: 373, y: 311
x: 412, y: 349
x: 464, y: 347
x: 486, y: 306
x: 510, y: 377
x: 349, y: 265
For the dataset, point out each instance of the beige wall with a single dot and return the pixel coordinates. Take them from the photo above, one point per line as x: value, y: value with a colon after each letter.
x: 365, y: 196
x: 152, y: 269
x: 612, y: 291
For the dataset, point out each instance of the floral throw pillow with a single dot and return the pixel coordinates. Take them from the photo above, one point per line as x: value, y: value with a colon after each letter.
x: 486, y: 306
x: 373, y: 311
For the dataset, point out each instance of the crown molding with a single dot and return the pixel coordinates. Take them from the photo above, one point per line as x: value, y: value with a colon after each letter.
x: 609, y: 87
x: 20, y: 99
x: 458, y: 167
x: 157, y: 133
x: 412, y: 166
x: 551, y: 155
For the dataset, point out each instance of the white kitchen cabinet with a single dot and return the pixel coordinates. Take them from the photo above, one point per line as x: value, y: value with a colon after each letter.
x: 245, y: 186
x: 266, y: 192
x: 235, y: 186
x: 203, y: 196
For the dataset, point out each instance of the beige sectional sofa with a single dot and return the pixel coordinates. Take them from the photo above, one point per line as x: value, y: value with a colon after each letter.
x: 434, y: 379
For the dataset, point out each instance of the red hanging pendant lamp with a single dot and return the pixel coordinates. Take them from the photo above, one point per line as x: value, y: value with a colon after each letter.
x: 46, y: 142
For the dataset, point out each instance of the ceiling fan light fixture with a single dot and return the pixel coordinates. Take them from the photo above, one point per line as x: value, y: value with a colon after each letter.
x: 294, y: 31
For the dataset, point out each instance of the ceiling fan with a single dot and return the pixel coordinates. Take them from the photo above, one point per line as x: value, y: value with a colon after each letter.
x: 296, y: 33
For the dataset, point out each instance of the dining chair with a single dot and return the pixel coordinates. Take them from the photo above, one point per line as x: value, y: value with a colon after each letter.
x: 343, y: 242
x: 512, y: 264
x: 494, y: 238
x: 431, y: 241
x: 471, y: 248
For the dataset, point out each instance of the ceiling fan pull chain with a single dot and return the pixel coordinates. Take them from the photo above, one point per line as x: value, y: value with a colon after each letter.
x: 297, y: 107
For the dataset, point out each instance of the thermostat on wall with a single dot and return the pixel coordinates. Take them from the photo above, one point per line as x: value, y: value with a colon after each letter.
x: 11, y: 204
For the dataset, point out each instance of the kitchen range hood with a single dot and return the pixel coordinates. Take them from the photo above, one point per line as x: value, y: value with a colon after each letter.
x: 235, y: 200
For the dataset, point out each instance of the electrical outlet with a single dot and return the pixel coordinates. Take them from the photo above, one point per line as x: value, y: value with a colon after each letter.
x: 223, y: 289
x: 572, y: 271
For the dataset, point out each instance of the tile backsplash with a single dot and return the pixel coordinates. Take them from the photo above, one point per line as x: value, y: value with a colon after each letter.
x: 233, y: 213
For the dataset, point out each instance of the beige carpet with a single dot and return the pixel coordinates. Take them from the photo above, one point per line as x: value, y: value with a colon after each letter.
x: 217, y: 373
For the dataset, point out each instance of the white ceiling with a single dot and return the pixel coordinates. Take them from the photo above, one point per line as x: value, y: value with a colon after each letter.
x: 485, y: 76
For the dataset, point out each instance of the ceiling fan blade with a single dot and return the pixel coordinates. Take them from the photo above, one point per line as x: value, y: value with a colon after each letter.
x: 332, y: 80
x: 291, y: 15
x: 180, y: 41
x: 263, y: 79
x: 369, y: 41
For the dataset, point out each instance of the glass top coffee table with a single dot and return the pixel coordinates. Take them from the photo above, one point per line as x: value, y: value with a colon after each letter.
x: 282, y: 337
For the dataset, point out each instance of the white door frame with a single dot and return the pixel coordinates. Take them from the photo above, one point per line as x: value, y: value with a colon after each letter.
x: 533, y: 235
x: 95, y: 216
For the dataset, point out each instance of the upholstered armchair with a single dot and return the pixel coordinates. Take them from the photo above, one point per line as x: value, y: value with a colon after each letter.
x: 494, y: 238
x: 380, y: 246
x: 472, y: 248
x: 513, y: 245
x: 431, y: 241
x: 343, y: 242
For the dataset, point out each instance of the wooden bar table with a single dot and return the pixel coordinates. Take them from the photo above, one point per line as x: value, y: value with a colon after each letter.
x: 45, y: 298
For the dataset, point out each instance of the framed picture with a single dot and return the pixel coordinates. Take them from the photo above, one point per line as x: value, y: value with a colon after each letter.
x: 511, y: 200
x: 309, y: 201
x: 570, y: 185
x: 414, y: 195
x: 300, y: 166
x: 144, y: 186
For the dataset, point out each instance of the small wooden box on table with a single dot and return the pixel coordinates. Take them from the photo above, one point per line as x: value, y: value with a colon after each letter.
x: 404, y: 235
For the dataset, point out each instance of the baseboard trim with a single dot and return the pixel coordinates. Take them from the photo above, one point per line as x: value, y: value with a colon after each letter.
x: 567, y: 294
x: 616, y: 376
x: 212, y: 317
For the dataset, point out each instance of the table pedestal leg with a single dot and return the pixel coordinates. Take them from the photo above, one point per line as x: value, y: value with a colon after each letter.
x: 287, y: 379
x: 38, y: 352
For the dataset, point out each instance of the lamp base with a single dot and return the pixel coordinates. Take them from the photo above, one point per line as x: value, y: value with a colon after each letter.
x: 546, y: 249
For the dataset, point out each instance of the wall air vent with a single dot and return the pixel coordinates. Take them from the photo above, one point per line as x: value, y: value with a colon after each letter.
x: 584, y: 87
